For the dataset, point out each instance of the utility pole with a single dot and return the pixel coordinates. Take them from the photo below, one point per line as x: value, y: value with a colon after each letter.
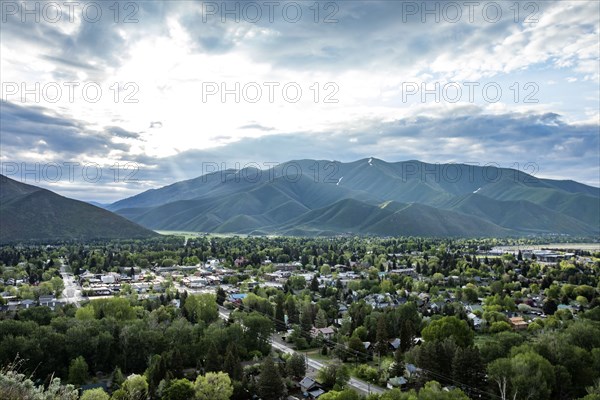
x: 306, y: 360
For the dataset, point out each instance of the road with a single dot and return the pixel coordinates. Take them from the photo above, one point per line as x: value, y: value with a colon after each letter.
x: 72, y: 291
x: 357, y: 384
x: 72, y: 294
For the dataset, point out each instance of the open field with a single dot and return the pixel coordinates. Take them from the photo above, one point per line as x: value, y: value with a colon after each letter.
x: 555, y: 246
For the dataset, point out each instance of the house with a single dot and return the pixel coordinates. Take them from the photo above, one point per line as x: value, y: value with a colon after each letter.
x: 49, y: 301
x: 236, y: 298
x: 308, y: 383
x: 315, y: 393
x: 475, y: 319
x: 27, y: 303
x: 326, y: 333
x: 310, y: 388
x: 396, y: 382
x: 394, y: 344
x: 517, y: 323
x: 411, y: 371
x: 107, y: 279
x: 7, y: 296
x: 194, y: 282
x: 99, y: 291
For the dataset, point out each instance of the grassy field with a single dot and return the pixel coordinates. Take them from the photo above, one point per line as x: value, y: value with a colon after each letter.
x: 570, y: 246
x: 190, y: 235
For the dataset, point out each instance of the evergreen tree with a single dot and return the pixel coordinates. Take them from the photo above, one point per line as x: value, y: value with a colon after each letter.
x: 155, y: 372
x: 382, y: 336
x: 270, y: 384
x: 117, y: 377
x: 321, y: 319
x: 232, y: 365
x: 397, y: 368
x: 468, y: 370
x: 279, y: 316
x: 78, y: 371
x: 221, y: 296
x: 292, y: 311
x: 213, y: 362
x: 314, y: 284
x: 306, y: 319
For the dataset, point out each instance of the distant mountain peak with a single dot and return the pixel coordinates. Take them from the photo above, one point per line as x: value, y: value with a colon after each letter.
x: 406, y: 197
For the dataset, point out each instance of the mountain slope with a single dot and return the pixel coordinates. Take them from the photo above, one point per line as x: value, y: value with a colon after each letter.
x: 394, y: 219
x: 520, y: 215
x: 313, y: 196
x: 29, y: 213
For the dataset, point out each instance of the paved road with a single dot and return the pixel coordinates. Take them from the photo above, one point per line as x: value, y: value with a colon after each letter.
x: 72, y: 292
x: 357, y: 384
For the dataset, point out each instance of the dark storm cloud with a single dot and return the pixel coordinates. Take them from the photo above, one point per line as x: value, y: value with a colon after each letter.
x: 24, y: 129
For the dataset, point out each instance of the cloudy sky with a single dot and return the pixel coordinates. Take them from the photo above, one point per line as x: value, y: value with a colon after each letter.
x: 147, y: 93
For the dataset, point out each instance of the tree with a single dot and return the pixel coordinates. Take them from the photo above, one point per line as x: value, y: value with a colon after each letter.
x: 213, y: 360
x: 468, y: 369
x: 334, y: 376
x: 78, y: 371
x: 435, y: 358
x: 201, y: 307
x: 292, y: 310
x: 258, y: 332
x: 306, y: 318
x: 321, y: 319
x: 526, y: 375
x: 469, y: 295
x: 279, y: 316
x: 95, y: 394
x: 382, y: 336
x: 397, y: 367
x: 117, y: 377
x: 499, y: 326
x: 221, y: 296
x: 296, y: 365
x: 15, y: 385
x: 447, y: 327
x: 57, y: 285
x: 136, y: 387
x: 356, y: 347
x: 179, y: 389
x: 347, y: 394
x: 232, y: 365
x: 549, y: 307
x: 270, y: 384
x: 314, y: 284
x: 213, y: 386
x: 433, y: 390
x: 155, y: 372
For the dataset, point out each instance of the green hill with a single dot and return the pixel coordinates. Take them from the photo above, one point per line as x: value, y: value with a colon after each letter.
x: 370, y: 196
x: 29, y: 213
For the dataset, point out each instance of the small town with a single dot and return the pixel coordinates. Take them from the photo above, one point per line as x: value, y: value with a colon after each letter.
x: 365, y: 316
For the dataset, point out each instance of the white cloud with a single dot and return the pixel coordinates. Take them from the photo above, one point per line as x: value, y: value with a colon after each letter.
x: 368, y: 57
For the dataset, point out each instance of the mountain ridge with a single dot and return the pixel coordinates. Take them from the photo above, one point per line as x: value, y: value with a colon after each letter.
x: 31, y: 213
x: 505, y: 202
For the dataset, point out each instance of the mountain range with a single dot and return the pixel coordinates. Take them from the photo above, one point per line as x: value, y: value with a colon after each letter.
x: 30, y: 213
x: 369, y: 196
